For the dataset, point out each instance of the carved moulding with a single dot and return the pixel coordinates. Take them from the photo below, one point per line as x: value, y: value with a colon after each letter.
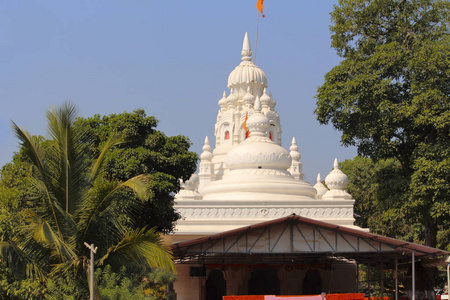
x: 264, y: 212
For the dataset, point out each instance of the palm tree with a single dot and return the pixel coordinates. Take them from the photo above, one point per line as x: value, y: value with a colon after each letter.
x: 71, y: 203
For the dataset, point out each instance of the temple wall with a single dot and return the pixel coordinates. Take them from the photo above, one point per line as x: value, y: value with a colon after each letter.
x: 294, y: 280
x: 187, y: 287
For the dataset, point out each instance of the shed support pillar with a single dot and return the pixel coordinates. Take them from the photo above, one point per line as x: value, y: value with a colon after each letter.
x: 396, y: 277
x: 413, y: 260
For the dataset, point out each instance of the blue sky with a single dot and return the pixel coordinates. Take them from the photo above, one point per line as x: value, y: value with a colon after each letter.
x: 170, y: 57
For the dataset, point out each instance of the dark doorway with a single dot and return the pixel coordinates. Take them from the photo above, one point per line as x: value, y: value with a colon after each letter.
x: 264, y: 282
x: 216, y: 286
x: 312, y: 283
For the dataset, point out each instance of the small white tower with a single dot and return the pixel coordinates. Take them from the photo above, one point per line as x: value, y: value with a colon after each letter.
x: 206, y: 167
x: 336, y: 181
x: 296, y: 165
x: 320, y: 187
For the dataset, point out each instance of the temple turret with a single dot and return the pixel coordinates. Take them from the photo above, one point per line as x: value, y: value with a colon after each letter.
x: 336, y: 181
x: 296, y: 166
x: 320, y: 187
x: 206, y: 167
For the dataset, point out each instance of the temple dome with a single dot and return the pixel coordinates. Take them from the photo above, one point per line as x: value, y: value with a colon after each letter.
x: 320, y: 187
x: 258, y: 166
x: 223, y: 101
x: 336, y: 179
x: 258, y: 151
x: 247, y: 74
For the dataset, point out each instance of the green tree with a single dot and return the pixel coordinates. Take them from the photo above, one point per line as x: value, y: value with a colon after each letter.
x: 150, y: 284
x: 15, y: 179
x: 145, y: 151
x: 69, y: 202
x: 389, y: 96
x: 379, y: 189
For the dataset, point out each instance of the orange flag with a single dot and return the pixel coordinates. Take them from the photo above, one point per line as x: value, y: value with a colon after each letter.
x: 245, y: 122
x: 259, y: 6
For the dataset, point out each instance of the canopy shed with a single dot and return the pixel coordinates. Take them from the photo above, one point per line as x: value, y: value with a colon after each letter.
x: 295, y: 241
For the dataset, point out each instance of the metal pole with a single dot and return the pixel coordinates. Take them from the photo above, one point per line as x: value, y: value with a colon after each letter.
x: 256, y: 42
x: 357, y: 277
x: 93, y: 251
x: 382, y: 280
x: 448, y: 278
x: 92, y: 273
x: 413, y: 296
x: 396, y: 278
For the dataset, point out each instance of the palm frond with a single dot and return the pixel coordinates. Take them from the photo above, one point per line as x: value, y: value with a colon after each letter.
x: 98, y: 201
x: 138, y: 184
x: 19, y: 262
x: 42, y: 232
x: 78, y: 265
x: 142, y: 246
x: 98, y: 164
x: 34, y: 151
x: 44, y: 202
x: 67, y: 157
x: 10, y: 254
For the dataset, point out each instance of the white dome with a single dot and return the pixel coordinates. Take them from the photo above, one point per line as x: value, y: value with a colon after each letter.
x: 247, y: 73
x: 193, y: 180
x: 223, y: 101
x: 258, y: 151
x: 320, y: 187
x: 231, y: 99
x: 206, y: 154
x: 265, y: 99
x: 248, y: 98
x: 336, y: 179
x: 294, y: 150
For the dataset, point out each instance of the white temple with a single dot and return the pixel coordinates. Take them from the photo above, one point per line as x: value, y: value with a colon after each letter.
x: 249, y: 177
x: 250, y: 224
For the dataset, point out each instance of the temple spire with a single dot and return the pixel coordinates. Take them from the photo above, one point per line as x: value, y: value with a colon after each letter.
x: 246, y: 49
x: 257, y: 106
x: 336, y: 164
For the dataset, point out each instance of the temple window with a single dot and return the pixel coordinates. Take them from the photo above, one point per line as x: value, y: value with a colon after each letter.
x: 227, y: 135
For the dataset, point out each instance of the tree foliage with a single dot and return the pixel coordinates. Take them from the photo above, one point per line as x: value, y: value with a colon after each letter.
x: 380, y: 189
x: 145, y: 151
x: 64, y: 199
x: 149, y: 284
x: 389, y: 96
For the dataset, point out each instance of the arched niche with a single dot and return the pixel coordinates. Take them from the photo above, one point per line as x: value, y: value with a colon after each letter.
x: 264, y: 281
x: 226, y: 133
x: 215, y: 286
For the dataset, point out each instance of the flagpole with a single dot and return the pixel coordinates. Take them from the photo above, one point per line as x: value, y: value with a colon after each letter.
x: 256, y: 42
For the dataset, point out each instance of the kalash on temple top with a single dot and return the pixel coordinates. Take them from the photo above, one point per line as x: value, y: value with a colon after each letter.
x: 249, y: 177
